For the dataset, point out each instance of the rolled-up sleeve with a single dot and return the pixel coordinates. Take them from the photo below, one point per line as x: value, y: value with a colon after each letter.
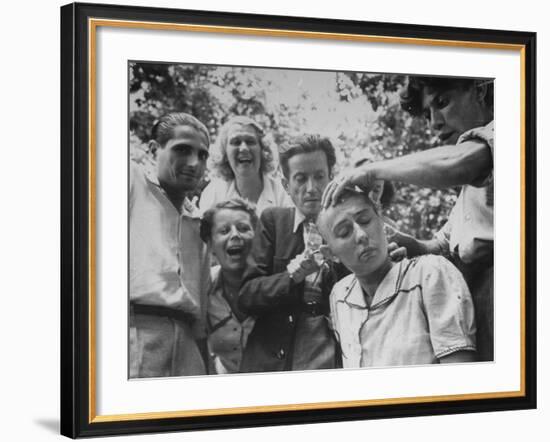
x: 485, y: 135
x: 448, y: 306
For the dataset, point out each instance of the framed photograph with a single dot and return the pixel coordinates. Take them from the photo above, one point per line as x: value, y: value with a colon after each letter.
x: 274, y: 220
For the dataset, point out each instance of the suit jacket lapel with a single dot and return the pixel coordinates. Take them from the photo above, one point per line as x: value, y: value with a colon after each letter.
x: 295, y: 243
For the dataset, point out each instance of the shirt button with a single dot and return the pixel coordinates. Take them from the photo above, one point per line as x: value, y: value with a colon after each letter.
x: 290, y: 319
x: 468, y: 217
x: 281, y: 354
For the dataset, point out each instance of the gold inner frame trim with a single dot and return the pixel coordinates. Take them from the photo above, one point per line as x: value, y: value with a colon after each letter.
x: 92, y: 27
x: 299, y: 34
x: 297, y: 407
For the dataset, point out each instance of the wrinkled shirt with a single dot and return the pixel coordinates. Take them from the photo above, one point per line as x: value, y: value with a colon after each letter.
x: 227, y: 336
x: 169, y: 265
x: 273, y: 194
x: 468, y: 232
x: 421, y: 311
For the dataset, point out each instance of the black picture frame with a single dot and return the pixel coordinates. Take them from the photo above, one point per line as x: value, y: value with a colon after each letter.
x: 77, y: 416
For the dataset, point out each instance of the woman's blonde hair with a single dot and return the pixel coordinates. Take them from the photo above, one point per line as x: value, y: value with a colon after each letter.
x: 218, y: 161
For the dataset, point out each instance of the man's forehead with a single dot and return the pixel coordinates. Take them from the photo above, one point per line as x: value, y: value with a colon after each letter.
x: 185, y: 135
x: 428, y: 95
x: 182, y: 141
x: 308, y: 162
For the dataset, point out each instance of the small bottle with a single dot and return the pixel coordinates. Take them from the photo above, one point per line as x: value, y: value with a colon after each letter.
x: 313, y: 242
x: 313, y: 239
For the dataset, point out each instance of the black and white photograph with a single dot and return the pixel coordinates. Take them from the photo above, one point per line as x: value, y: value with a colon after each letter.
x: 292, y: 220
x: 271, y: 220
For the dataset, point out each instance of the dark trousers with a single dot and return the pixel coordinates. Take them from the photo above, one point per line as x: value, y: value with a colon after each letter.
x: 479, y: 277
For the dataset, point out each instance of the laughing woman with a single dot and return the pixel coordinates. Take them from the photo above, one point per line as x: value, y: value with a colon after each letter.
x: 418, y: 311
x: 228, y: 228
x: 243, y: 162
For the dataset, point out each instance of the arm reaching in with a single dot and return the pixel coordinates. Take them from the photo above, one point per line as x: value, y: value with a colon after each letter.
x: 400, y: 243
x: 440, y: 167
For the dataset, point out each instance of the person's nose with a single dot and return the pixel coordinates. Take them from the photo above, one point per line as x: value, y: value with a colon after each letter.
x: 310, y: 185
x: 193, y: 159
x: 436, y: 119
x: 361, y: 236
x: 234, y: 232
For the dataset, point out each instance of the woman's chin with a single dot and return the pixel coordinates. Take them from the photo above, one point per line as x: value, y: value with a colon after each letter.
x: 233, y: 267
x: 247, y: 169
x: 369, y: 267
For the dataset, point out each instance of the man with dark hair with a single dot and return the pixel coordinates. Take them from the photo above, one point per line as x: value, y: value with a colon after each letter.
x: 287, y: 282
x: 169, y: 265
x: 461, y: 112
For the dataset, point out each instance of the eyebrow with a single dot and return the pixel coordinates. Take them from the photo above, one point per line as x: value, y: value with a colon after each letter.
x: 360, y: 212
x: 338, y: 224
x: 313, y: 172
x: 202, y: 146
x: 354, y: 215
x: 242, y: 134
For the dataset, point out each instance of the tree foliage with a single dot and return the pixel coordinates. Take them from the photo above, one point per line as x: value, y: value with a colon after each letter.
x: 360, y: 112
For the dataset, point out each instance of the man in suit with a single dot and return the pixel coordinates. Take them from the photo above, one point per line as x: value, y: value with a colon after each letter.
x: 287, y: 283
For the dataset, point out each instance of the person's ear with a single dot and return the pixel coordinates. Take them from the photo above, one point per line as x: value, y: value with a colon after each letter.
x: 327, y: 253
x: 284, y: 181
x: 153, y: 146
x: 481, y: 91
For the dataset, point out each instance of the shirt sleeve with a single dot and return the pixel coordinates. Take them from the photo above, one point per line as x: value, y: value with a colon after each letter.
x: 448, y: 306
x: 485, y: 135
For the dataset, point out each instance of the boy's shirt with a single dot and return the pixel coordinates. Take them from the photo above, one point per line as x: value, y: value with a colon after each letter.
x: 469, y: 232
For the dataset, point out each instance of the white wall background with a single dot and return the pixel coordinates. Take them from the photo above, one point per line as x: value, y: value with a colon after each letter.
x: 29, y: 226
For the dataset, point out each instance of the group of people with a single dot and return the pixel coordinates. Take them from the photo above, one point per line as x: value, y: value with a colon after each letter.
x: 309, y: 274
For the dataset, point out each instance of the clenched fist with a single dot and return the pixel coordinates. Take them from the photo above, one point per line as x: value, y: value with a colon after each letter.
x: 301, y: 266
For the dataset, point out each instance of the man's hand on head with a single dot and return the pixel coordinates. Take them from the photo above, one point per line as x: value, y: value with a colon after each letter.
x: 363, y: 177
